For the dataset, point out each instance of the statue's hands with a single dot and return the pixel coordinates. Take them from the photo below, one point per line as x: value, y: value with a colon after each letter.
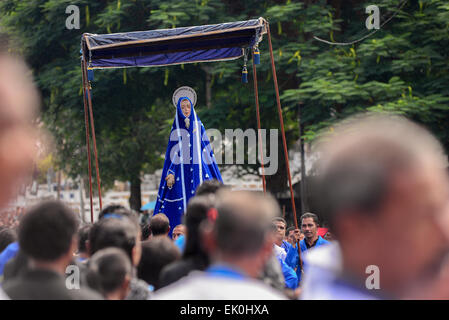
x: 170, y: 180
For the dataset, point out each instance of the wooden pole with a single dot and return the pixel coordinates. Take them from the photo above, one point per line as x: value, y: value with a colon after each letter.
x: 86, y: 121
x: 281, y: 120
x: 284, y: 141
x: 97, y: 168
x: 256, y: 96
x: 303, y: 165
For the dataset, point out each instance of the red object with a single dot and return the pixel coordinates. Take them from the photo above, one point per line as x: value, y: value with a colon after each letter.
x: 212, y: 214
x: 322, y: 231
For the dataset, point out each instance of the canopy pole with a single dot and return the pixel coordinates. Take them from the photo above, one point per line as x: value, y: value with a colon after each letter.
x: 281, y: 120
x: 86, y: 122
x: 256, y: 96
x: 97, y: 168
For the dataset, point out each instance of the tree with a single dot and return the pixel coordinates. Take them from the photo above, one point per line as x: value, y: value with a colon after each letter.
x: 402, y: 68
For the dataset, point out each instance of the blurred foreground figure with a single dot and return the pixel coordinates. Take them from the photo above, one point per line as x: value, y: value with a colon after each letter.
x: 194, y: 257
x: 384, y: 187
x: 238, y: 236
x: 19, y: 103
x: 47, y: 235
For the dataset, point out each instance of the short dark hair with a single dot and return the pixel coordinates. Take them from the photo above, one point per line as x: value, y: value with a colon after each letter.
x: 208, y: 187
x: 46, y: 232
x: 156, y: 254
x: 310, y: 215
x: 83, y: 236
x: 289, y: 229
x: 118, y: 209
x: 108, y: 269
x: 7, y: 236
x: 196, y: 213
x: 159, y: 224
x: 113, y: 232
x: 146, y: 231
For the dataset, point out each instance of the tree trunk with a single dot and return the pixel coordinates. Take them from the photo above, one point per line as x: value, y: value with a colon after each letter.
x: 135, y: 200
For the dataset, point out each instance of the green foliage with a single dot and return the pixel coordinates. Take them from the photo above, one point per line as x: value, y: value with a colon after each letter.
x: 401, y: 69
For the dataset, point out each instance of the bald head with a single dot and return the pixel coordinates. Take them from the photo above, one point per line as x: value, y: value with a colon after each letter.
x: 244, y: 219
x: 384, y: 184
x: 159, y: 224
x: 362, y: 154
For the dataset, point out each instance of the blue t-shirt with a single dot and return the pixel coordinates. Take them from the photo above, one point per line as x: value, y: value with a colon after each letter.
x: 292, y: 258
x: 7, y: 254
x: 181, y: 243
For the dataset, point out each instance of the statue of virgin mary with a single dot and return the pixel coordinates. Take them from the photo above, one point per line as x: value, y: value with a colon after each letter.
x: 189, y: 159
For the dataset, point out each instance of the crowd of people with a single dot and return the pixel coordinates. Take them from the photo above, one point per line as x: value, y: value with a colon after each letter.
x: 383, y: 189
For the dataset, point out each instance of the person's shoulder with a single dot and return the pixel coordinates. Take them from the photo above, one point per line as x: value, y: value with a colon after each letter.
x: 3, y: 295
x: 201, y: 286
x: 85, y: 294
x: 322, y: 241
x: 139, y: 290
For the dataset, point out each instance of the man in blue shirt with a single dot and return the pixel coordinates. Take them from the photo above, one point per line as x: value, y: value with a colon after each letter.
x: 309, y: 227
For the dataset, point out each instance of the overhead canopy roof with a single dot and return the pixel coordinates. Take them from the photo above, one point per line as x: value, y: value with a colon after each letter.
x: 163, y: 47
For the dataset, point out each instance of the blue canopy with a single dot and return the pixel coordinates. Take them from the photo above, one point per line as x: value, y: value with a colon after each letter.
x: 164, y: 47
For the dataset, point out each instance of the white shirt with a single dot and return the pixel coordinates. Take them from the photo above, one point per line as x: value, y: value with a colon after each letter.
x: 324, y: 265
x: 203, y: 286
x: 3, y: 295
x: 279, y: 252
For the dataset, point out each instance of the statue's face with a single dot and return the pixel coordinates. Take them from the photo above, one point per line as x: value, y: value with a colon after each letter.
x: 185, y: 107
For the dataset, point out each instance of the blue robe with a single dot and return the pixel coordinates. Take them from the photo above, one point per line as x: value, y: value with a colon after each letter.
x: 190, y: 159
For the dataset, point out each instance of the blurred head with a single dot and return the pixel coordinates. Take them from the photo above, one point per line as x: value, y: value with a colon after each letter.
x: 47, y: 233
x: 294, y: 235
x: 19, y: 103
x: 186, y: 107
x: 241, y: 235
x: 83, y: 237
x: 328, y: 236
x: 385, y: 190
x: 209, y: 187
x: 110, y: 272
x: 117, y: 209
x: 281, y: 227
x: 159, y: 225
x: 156, y: 254
x: 118, y: 232
x: 178, y: 231
x: 309, y: 226
x: 146, y: 231
x: 196, y: 213
x: 7, y: 236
